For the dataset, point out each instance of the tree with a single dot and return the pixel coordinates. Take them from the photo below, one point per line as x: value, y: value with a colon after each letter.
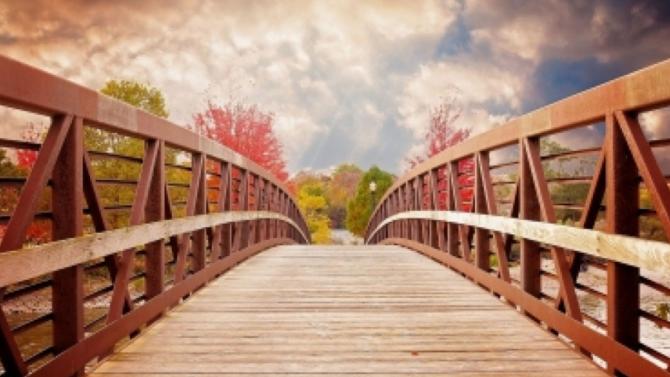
x: 142, y: 96
x: 246, y: 130
x: 441, y: 135
x: 442, y: 132
x: 39, y: 230
x: 340, y: 189
x: 147, y: 98
x: 312, y: 202
x: 367, y: 196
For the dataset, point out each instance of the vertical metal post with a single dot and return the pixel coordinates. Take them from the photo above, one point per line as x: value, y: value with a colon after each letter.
x: 482, y: 244
x: 199, y: 237
x: 529, y: 209
x: 622, y: 202
x: 67, y: 204
x: 155, y: 211
x: 225, y: 205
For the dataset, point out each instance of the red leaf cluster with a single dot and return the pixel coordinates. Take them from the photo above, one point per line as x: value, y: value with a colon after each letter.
x: 246, y: 130
x: 441, y: 135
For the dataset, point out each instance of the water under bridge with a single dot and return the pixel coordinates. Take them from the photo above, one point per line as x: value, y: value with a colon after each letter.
x: 474, y: 263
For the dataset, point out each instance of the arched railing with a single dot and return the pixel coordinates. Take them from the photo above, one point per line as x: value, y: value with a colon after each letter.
x: 564, y: 213
x: 123, y: 233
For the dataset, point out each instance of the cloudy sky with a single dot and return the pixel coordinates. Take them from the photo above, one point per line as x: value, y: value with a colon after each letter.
x: 347, y: 80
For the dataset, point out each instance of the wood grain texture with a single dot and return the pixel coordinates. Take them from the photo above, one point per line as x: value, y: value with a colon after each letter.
x: 342, y: 311
x: 23, y: 264
x: 638, y: 252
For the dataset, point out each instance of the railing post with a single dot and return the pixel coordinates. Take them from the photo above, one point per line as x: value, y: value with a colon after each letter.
x: 529, y: 209
x: 622, y: 202
x: 253, y: 225
x: 155, y: 211
x: 452, y: 191
x: 482, y: 244
x: 67, y: 205
x: 200, y: 235
x: 226, y: 187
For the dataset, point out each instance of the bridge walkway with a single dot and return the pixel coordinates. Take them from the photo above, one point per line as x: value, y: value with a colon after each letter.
x: 344, y: 310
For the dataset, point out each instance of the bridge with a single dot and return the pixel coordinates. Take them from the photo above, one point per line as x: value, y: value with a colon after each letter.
x: 474, y: 263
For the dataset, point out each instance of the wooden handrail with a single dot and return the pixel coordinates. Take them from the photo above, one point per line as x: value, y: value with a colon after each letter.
x: 20, y: 265
x: 446, y: 207
x: 648, y: 254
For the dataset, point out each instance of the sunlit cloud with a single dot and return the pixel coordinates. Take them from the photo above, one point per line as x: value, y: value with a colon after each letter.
x: 345, y: 80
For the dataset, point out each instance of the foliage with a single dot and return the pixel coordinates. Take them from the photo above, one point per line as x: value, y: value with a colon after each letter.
x: 441, y: 133
x: 142, y: 96
x: 149, y: 99
x: 361, y: 206
x: 40, y: 230
x: 341, y: 188
x: 312, y: 202
x: 246, y: 130
x: 330, y: 193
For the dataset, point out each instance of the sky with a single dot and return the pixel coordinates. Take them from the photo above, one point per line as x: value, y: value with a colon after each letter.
x: 347, y: 81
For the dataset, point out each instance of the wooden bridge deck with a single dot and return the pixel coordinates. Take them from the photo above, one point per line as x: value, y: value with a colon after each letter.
x: 381, y: 310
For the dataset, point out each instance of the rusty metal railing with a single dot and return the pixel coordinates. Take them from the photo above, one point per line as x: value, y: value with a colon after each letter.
x: 564, y: 213
x: 122, y: 235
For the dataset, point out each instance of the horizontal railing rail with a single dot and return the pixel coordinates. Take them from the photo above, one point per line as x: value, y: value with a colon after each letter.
x: 109, y: 216
x: 25, y: 264
x: 564, y: 213
x: 648, y: 254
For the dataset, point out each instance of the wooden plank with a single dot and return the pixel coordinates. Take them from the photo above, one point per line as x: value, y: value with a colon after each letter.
x: 647, y: 254
x: 622, y: 358
x: 300, y: 310
x: 20, y: 265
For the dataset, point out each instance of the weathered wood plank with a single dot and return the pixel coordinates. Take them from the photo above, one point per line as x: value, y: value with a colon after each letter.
x: 344, y: 311
x: 20, y: 265
x: 646, y: 254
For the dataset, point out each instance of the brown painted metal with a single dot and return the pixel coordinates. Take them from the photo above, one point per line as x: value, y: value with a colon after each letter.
x: 67, y: 204
x: 625, y: 159
x: 155, y: 211
x: 65, y: 166
x: 622, y: 198
x: 529, y: 209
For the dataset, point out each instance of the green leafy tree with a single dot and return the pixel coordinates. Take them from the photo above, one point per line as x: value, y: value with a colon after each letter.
x: 371, y: 188
x: 119, y: 196
x: 142, y: 96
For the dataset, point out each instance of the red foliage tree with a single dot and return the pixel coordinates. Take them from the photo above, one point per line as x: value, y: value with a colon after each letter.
x: 246, y: 130
x: 26, y: 157
x: 441, y: 135
x: 39, y: 231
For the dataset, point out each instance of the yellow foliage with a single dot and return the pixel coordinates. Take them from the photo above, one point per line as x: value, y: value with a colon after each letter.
x: 313, y: 204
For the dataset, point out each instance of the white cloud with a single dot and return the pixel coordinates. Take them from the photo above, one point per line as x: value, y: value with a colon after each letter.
x: 334, y: 69
x: 475, y: 92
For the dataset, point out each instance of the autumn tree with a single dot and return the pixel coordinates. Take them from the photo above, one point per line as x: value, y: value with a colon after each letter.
x: 340, y: 189
x: 369, y: 191
x: 442, y: 132
x: 246, y: 130
x: 313, y: 204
